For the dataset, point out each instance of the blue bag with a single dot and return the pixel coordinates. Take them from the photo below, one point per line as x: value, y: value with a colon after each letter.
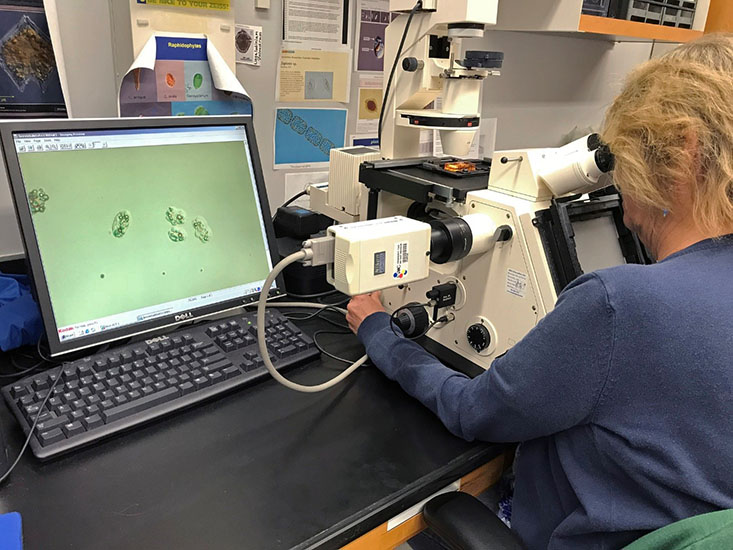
x: 20, y: 318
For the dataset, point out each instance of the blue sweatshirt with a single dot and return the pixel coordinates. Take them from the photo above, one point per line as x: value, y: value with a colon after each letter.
x: 622, y: 397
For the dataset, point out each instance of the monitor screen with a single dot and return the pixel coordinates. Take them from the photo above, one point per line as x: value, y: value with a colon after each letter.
x: 142, y: 226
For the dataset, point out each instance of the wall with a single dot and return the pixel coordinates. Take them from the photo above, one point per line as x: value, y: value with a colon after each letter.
x: 549, y: 86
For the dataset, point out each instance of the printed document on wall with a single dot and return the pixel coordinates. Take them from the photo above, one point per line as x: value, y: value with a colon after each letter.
x: 304, y: 137
x: 314, y: 75
x: 315, y: 21
x: 248, y: 45
x: 374, y: 17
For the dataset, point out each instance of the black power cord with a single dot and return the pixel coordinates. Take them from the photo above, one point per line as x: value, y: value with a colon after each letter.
x: 394, y: 68
x: 33, y: 426
x: 326, y: 353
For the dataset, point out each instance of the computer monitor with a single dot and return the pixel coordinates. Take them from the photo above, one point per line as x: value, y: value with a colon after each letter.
x: 132, y: 225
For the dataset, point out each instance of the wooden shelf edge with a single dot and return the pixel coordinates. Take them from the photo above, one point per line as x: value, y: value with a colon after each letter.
x: 633, y: 29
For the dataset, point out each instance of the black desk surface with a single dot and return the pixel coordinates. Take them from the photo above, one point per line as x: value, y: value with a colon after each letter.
x: 264, y: 467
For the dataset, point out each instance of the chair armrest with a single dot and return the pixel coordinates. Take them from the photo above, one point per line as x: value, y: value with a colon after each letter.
x: 463, y: 523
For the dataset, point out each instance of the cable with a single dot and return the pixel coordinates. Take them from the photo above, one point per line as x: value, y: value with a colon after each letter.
x: 35, y: 423
x: 294, y: 198
x: 326, y: 353
x: 261, y: 307
x: 417, y: 6
x: 319, y: 313
x: 313, y: 296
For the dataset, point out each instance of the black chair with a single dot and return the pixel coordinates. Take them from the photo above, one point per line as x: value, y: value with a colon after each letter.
x: 463, y: 523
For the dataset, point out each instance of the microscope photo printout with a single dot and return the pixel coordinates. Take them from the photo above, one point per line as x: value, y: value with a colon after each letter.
x: 132, y: 227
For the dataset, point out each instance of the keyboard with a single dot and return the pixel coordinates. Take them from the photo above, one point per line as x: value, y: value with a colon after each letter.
x: 120, y: 389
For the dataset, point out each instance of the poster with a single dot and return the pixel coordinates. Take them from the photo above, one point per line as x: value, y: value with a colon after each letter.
x: 29, y: 79
x: 314, y: 75
x: 248, y: 45
x: 324, y: 21
x: 304, y: 137
x: 370, y: 103
x: 220, y: 5
x: 181, y: 76
x: 374, y: 17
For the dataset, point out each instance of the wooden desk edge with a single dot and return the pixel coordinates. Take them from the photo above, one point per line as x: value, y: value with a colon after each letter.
x: 380, y: 538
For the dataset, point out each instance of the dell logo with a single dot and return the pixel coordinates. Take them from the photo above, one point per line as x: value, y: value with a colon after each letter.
x: 184, y: 316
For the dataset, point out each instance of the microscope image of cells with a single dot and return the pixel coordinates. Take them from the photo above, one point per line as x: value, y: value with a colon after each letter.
x: 314, y: 137
x: 200, y: 111
x: 121, y: 223
x: 285, y: 116
x: 176, y: 235
x: 202, y: 229
x: 299, y: 126
x: 37, y: 199
x: 326, y: 146
x: 175, y: 216
x: 170, y: 80
x: 198, y: 80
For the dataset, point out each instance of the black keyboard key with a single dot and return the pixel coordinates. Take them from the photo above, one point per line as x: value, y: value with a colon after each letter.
x: 93, y: 421
x: 132, y: 407
x: 187, y: 387
x: 114, y: 362
x: 92, y: 410
x: 77, y: 415
x: 154, y: 349
x: 55, y: 402
x: 107, y: 394
x: 51, y: 436
x: 126, y: 379
x: 73, y: 428
x: 138, y: 353
x: 106, y: 404
x: 78, y: 404
x: 201, y: 382
x: 52, y: 423
x: 19, y: 390
x: 69, y: 397
x: 85, y: 392
x: 27, y: 400
x: 216, y: 377
x: 212, y: 332
x: 100, y: 365
x: 85, y: 370
x: 40, y: 384
x: 159, y: 386
x: 93, y: 399
x: 63, y: 409
x: 127, y: 369
x: 231, y: 372
x: 113, y: 372
x: 135, y: 394
x: 134, y: 385
x: 287, y: 351
x: 69, y: 374
x: 126, y: 357
x: 248, y: 365
x: 120, y: 399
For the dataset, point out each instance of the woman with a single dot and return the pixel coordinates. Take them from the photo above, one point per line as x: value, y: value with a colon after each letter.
x: 623, y: 394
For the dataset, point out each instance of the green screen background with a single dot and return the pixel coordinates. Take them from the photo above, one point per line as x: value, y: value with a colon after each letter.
x: 86, y: 189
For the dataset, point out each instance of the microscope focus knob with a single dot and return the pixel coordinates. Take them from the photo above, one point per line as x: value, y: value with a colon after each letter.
x: 411, y: 64
x: 478, y: 337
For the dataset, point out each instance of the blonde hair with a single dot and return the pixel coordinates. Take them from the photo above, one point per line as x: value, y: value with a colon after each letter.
x: 673, y: 123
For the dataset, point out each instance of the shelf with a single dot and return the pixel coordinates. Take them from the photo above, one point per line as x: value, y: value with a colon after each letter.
x: 620, y: 29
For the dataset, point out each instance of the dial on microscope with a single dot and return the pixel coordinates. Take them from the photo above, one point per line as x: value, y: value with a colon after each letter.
x: 478, y: 337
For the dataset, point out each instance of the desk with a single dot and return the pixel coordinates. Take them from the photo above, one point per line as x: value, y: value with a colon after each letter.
x: 261, y: 468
